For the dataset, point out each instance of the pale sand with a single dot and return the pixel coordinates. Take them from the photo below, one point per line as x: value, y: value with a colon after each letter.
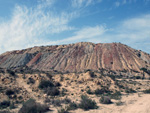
x: 133, y: 103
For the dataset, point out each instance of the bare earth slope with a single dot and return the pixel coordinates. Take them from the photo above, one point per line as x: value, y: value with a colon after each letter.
x: 77, y: 57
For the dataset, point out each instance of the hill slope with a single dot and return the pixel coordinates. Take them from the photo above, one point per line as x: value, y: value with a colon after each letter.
x: 77, y: 57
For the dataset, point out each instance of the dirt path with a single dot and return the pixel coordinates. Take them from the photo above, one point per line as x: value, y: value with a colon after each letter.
x: 142, y: 105
x: 132, y: 104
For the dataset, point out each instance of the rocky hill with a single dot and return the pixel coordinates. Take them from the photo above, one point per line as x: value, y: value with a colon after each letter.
x: 77, y: 57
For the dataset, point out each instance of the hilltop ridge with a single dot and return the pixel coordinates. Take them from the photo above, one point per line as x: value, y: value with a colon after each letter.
x: 77, y: 57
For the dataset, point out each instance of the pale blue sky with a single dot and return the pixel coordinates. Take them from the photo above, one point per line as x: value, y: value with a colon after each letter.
x: 28, y: 23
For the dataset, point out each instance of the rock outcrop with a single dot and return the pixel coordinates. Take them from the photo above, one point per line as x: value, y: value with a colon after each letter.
x: 77, y: 57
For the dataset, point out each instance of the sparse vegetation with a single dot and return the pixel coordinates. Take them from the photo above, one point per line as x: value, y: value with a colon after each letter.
x: 56, y: 102
x: 105, y: 100
x: 147, y: 91
x: 5, y: 111
x: 4, y: 104
x: 30, y: 81
x: 30, y: 106
x: 52, y: 91
x: 138, y: 77
x: 86, y: 103
x: 130, y: 90
x: 9, y: 92
x: 116, y: 95
x: 106, y: 86
x: 89, y: 92
x: 12, y: 105
x: 92, y: 74
x: 11, y: 72
x: 72, y: 106
x: 102, y: 91
x: 66, y: 101
x: 63, y: 110
x: 45, y: 84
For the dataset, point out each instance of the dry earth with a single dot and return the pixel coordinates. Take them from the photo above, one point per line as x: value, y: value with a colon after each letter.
x: 133, y: 103
x: 76, y: 84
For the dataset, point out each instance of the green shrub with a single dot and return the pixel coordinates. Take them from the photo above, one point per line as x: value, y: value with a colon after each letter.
x: 9, y: 92
x: 72, y: 106
x: 57, y: 84
x: 116, y: 95
x: 89, y: 92
x: 12, y: 106
x: 56, y: 102
x: 92, y: 74
x: 98, y: 92
x: 5, y: 111
x: 66, y: 101
x: 30, y: 106
x: 87, y: 103
x: 45, y: 84
x: 30, y: 81
x: 130, y: 90
x: 147, y: 91
x: 105, y: 100
x: 102, y: 91
x: 4, y: 104
x: 11, y: 72
x: 138, y: 77
x: 52, y: 91
x: 63, y: 110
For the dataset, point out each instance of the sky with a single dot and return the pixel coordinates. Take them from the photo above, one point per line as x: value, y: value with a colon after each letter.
x: 29, y: 23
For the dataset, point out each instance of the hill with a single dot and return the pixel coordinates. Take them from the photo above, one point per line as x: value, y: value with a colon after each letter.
x: 77, y: 57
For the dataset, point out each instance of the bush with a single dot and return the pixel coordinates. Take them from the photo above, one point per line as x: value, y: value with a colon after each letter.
x: 45, y: 84
x: 56, y: 102
x: 66, y: 101
x: 92, y: 74
x: 4, y: 104
x: 9, y: 92
x: 130, y: 90
x: 52, y: 91
x: 30, y: 106
x: 72, y: 106
x: 147, y: 91
x: 138, y: 77
x: 30, y: 81
x: 116, y: 95
x: 101, y: 91
x: 63, y: 110
x: 5, y: 111
x: 57, y: 84
x: 87, y: 103
x: 105, y: 100
x: 12, y: 106
x: 89, y: 91
x: 11, y: 72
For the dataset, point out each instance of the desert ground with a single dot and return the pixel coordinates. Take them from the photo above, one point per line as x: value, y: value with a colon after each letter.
x: 70, y: 87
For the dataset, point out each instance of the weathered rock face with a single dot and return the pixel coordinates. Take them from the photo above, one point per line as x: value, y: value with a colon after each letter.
x: 77, y: 57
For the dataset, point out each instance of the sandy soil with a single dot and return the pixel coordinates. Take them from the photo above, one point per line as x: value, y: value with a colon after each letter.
x: 133, y: 103
x: 27, y: 87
